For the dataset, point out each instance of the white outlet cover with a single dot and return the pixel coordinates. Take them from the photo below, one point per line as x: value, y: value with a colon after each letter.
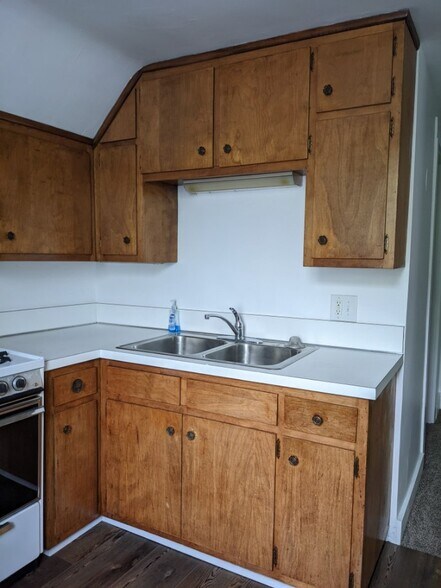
x: 344, y: 307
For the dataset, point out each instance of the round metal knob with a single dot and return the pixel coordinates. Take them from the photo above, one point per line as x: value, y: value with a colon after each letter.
x: 67, y: 429
x: 126, y: 240
x: 227, y: 148
x: 170, y: 431
x: 4, y: 387
x: 10, y: 236
x: 191, y: 435
x: 323, y: 239
x: 293, y: 460
x: 327, y: 90
x: 77, y: 385
x: 202, y: 150
x: 317, y: 420
x: 19, y: 383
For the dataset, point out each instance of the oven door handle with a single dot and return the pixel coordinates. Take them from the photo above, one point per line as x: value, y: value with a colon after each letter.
x: 20, y: 416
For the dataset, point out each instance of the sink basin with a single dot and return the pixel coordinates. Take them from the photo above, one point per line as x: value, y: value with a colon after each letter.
x: 176, y: 345
x: 254, y: 354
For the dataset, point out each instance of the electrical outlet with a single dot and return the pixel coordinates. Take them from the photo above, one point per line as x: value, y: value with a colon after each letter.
x: 344, y: 308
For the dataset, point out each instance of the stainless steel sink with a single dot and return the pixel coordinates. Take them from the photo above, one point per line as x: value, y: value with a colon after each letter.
x: 254, y: 354
x: 183, y: 345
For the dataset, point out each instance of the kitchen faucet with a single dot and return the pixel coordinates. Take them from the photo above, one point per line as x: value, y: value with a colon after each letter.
x: 238, y: 328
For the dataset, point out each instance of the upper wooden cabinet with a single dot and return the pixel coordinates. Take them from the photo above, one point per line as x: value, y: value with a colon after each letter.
x: 46, y: 209
x: 123, y: 126
x: 355, y: 72
x: 261, y: 109
x: 175, y: 121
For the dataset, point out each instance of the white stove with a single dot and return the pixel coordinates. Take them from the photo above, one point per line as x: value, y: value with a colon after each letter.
x: 21, y: 460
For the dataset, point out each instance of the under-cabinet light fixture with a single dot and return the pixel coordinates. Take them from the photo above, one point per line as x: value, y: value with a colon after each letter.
x: 250, y: 182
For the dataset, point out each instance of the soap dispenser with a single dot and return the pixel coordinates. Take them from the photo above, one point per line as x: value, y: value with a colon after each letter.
x: 174, y: 325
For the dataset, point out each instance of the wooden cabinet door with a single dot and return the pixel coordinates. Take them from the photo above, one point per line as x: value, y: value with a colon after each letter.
x: 75, y: 497
x: 228, y: 490
x: 261, y: 109
x: 314, y: 513
x: 175, y: 117
x: 349, y: 189
x: 116, y: 194
x: 355, y: 72
x: 45, y: 196
x: 143, y: 466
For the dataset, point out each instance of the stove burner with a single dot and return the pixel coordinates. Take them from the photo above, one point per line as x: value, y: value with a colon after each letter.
x: 4, y: 357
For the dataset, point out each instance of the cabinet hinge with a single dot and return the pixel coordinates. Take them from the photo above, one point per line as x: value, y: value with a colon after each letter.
x: 275, y: 556
x: 309, y: 143
x: 311, y: 61
x: 394, y: 46
x: 278, y: 448
x: 392, y: 86
x: 356, y: 467
x: 351, y: 580
x: 392, y: 127
x: 386, y: 243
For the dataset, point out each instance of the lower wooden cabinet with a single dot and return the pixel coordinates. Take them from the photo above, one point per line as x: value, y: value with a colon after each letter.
x: 301, y: 495
x: 228, y: 490
x: 71, y: 472
x: 143, y: 466
x: 314, y: 512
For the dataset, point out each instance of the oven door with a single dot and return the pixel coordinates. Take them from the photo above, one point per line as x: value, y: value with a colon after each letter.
x: 21, y: 430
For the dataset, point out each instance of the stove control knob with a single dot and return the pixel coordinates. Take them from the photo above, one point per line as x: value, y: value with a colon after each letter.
x: 4, y: 387
x: 19, y: 383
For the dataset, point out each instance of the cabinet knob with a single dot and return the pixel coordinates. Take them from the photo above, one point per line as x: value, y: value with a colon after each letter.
x: 67, y: 429
x: 327, y: 90
x: 227, y: 148
x: 293, y: 460
x: 202, y: 150
x: 77, y: 385
x: 170, y: 431
x: 191, y: 435
x: 10, y: 236
x: 126, y: 240
x: 317, y: 420
x: 323, y: 239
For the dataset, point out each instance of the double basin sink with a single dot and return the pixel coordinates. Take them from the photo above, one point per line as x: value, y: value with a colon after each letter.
x: 275, y: 355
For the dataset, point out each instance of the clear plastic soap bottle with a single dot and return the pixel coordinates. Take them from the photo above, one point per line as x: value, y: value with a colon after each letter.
x: 174, y: 324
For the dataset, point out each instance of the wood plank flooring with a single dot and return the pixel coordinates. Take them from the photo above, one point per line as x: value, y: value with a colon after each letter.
x: 110, y: 557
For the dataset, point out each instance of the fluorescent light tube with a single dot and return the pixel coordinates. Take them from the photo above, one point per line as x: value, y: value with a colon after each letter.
x: 250, y: 182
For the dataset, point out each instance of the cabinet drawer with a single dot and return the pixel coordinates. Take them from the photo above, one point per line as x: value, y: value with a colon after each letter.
x: 77, y: 384
x: 231, y: 401
x: 354, y: 72
x: 124, y: 384
x: 321, y: 418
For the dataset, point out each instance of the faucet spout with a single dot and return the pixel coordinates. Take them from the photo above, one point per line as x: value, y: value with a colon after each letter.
x: 238, y: 328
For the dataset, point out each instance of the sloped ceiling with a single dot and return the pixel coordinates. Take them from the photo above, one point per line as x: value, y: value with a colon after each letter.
x: 65, y: 62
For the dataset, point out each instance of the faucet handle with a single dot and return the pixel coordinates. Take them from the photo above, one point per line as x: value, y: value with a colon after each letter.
x: 296, y: 342
x: 234, y: 311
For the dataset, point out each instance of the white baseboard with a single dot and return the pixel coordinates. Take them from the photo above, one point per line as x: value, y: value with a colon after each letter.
x: 214, y: 561
x: 398, y: 526
x: 65, y: 543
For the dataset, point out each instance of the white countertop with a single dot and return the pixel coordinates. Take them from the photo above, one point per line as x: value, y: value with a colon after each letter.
x: 332, y: 370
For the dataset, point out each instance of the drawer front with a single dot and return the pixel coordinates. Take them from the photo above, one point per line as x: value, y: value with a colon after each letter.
x: 75, y: 385
x: 123, y: 384
x: 354, y: 72
x: 321, y: 418
x: 231, y: 401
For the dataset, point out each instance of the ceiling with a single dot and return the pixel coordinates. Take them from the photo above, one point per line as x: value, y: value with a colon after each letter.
x: 65, y: 62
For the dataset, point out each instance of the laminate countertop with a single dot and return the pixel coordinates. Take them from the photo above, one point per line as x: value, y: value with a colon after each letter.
x: 331, y: 370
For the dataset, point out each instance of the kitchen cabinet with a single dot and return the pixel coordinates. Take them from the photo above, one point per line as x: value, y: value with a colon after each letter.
x: 46, y: 207
x: 261, y: 109
x: 175, y: 120
x: 314, y: 500
x: 71, y: 451
x: 123, y: 126
x: 361, y: 115
x: 143, y: 466
x: 228, y: 490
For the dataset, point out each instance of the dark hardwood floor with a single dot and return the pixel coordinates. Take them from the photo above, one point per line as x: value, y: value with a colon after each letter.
x: 109, y: 557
